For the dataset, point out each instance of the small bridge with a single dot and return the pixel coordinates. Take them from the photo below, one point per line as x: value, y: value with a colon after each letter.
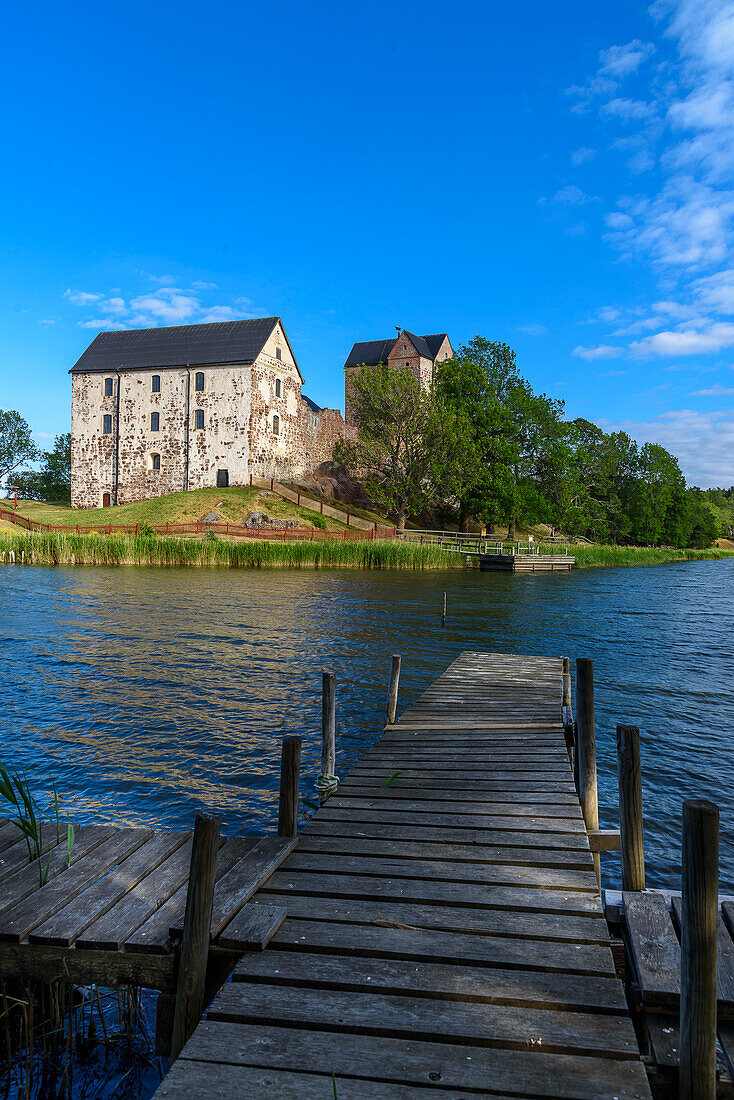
x: 498, y: 555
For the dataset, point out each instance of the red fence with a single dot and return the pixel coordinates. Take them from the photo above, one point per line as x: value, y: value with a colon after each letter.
x: 285, y: 534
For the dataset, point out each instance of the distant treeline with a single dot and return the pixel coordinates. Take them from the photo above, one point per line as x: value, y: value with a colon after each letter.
x: 480, y: 445
x: 721, y: 503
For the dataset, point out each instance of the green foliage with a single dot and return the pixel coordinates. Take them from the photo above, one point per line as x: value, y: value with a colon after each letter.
x: 639, y: 555
x: 30, y: 819
x: 53, y: 480
x: 52, y: 548
x: 412, y: 444
x: 314, y: 518
x: 16, y: 443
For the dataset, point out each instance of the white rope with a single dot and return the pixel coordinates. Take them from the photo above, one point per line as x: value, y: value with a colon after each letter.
x: 326, y: 785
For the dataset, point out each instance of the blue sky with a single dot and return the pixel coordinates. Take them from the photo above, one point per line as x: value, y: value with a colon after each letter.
x: 559, y: 176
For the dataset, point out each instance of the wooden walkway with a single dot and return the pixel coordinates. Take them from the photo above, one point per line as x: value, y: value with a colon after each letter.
x: 444, y: 936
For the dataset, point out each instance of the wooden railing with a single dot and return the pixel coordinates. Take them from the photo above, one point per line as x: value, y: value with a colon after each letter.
x: 462, y: 543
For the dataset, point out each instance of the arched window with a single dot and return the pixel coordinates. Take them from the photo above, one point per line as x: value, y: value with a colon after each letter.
x: 199, y: 381
x: 199, y: 418
x: 277, y: 387
x: 276, y: 425
x: 109, y: 386
x: 155, y: 462
x: 156, y: 383
x: 155, y: 422
x: 107, y: 424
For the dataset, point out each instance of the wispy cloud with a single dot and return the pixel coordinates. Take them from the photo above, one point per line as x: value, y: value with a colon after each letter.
x: 570, y: 195
x: 686, y: 341
x: 620, y: 61
x: 602, y: 351
x: 702, y: 442
x: 715, y: 391
x: 163, y: 306
x: 533, y: 330
x: 581, y: 156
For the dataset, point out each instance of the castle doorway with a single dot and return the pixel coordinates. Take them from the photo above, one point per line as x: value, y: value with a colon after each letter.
x: 105, y: 500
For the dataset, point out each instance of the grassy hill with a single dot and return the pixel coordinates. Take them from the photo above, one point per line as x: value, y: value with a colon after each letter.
x: 233, y: 505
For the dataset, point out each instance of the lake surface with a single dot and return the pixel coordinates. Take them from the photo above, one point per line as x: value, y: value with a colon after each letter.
x: 148, y: 694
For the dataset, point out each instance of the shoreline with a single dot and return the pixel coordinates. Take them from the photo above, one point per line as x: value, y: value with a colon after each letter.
x: 42, y: 548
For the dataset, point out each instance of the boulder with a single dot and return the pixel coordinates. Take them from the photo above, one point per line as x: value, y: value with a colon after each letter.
x: 212, y: 517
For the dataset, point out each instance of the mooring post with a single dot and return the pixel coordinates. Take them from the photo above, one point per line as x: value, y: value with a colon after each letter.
x: 699, y: 920
x: 327, y: 781
x: 566, y: 708
x: 586, y: 749
x: 290, y: 767
x: 444, y: 609
x: 196, y: 931
x: 630, y: 808
x: 392, y: 695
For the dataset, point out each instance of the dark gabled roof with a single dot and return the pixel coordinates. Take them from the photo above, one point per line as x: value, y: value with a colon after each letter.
x: 311, y: 404
x: 371, y: 352
x: 183, y: 345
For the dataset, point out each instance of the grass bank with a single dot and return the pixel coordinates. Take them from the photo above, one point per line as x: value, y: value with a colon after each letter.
x: 639, y: 555
x: 42, y: 548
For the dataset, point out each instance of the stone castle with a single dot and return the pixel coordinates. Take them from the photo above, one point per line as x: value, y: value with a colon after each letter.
x: 158, y: 411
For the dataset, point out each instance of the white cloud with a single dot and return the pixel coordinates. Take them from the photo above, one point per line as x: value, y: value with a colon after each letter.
x: 81, y: 297
x: 620, y: 61
x: 602, y: 351
x: 102, y: 324
x: 534, y: 330
x: 627, y: 110
x: 47, y: 321
x: 716, y: 291
x: 197, y: 285
x: 686, y: 341
x: 702, y: 442
x: 715, y: 391
x: 580, y: 156
x: 613, y: 373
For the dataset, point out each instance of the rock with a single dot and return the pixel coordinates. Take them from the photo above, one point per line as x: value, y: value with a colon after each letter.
x: 266, y: 493
x: 332, y: 480
x: 212, y: 517
x: 256, y: 519
x: 292, y: 523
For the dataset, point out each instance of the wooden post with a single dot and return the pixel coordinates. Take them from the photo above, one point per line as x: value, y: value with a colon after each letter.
x: 630, y: 808
x: 325, y: 784
x: 566, y: 682
x: 586, y: 749
x: 699, y: 920
x: 444, y: 609
x: 567, y: 711
x: 196, y: 931
x: 290, y: 767
x: 392, y: 695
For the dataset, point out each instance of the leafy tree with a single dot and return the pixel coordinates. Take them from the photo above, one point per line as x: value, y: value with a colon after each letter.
x: 16, y: 443
x: 53, y: 480
x: 410, y: 447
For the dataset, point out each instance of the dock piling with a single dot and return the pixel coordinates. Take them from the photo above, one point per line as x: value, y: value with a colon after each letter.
x: 630, y: 808
x: 444, y: 610
x: 700, y: 914
x: 196, y: 931
x: 290, y: 767
x: 392, y: 695
x: 327, y: 781
x: 586, y: 749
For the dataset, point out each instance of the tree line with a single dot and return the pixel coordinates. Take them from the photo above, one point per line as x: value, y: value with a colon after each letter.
x: 481, y: 445
x: 52, y: 481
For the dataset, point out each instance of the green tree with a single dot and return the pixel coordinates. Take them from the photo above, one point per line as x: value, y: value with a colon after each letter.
x: 410, y: 447
x: 16, y: 443
x: 53, y: 480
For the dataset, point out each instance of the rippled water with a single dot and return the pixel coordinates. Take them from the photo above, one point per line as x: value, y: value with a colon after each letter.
x: 147, y: 694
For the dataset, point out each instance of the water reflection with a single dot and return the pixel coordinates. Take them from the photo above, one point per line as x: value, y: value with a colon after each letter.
x: 147, y: 694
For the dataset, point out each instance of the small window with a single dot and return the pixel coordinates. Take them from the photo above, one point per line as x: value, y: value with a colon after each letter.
x: 199, y: 382
x: 199, y: 418
x: 155, y: 462
x: 277, y: 353
x: 276, y: 425
x: 156, y: 383
x: 109, y: 385
x: 407, y: 362
x: 155, y: 422
x: 277, y: 387
x: 405, y: 347
x: 107, y: 424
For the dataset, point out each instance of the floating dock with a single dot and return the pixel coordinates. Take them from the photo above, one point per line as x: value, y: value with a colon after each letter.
x: 444, y: 937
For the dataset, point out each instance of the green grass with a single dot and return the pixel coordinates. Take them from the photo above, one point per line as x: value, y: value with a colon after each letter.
x: 61, y: 549
x: 587, y: 556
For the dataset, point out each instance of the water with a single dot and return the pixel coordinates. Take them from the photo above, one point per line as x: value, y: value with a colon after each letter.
x: 148, y: 694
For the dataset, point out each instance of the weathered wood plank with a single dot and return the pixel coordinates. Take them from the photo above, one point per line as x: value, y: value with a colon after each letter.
x: 22, y: 918
x: 398, y: 940
x: 534, y: 988
x: 654, y: 948
x: 386, y: 1014
x: 16, y: 856
x: 26, y: 881
x: 394, y: 813
x: 372, y: 1059
x: 253, y: 928
x: 63, y: 928
x: 573, y: 845
x: 41, y: 963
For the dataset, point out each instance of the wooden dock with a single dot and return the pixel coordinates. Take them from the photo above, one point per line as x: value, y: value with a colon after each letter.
x: 445, y: 936
x: 526, y: 563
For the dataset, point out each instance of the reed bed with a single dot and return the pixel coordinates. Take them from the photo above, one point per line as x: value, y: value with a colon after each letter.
x: 598, y: 554
x: 42, y: 548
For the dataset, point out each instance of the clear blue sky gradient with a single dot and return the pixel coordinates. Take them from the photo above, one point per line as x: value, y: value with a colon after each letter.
x: 356, y: 167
